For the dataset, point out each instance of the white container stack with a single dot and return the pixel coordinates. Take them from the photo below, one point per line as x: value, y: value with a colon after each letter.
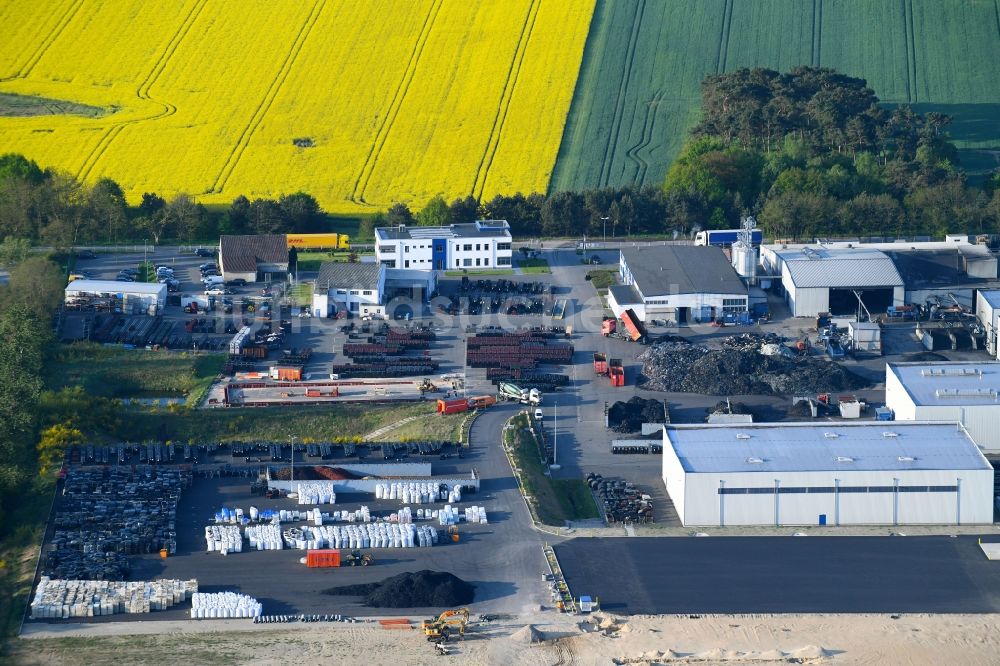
x: 411, y: 492
x: 63, y: 599
x: 316, y: 492
x: 455, y: 495
x: 369, y: 535
x: 265, y: 537
x: 447, y: 516
x: 403, y: 516
x: 475, y: 514
x: 224, y: 539
x: 223, y: 605
x: 362, y: 515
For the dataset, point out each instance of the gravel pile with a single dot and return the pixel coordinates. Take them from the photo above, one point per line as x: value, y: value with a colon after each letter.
x: 625, y: 417
x: 423, y: 589
x: 738, y: 368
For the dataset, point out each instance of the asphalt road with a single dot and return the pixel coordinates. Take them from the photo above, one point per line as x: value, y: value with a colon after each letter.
x: 783, y: 574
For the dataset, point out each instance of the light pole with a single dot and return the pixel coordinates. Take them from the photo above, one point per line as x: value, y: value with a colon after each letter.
x: 145, y: 268
x: 291, y: 442
x: 605, y: 219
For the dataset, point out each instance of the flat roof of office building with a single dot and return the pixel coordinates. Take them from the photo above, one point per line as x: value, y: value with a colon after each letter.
x: 682, y: 269
x: 478, y: 229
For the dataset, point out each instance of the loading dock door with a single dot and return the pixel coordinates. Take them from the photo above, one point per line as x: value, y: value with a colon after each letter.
x: 843, y: 302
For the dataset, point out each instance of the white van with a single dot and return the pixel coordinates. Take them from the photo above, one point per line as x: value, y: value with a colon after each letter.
x: 213, y: 280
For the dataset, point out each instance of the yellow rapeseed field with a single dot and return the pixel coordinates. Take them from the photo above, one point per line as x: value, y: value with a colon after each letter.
x: 390, y: 100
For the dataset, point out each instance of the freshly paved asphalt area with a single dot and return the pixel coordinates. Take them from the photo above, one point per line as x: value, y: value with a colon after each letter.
x: 783, y: 574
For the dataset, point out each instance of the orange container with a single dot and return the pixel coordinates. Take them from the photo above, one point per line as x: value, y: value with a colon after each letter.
x: 313, y: 393
x: 452, y: 406
x: 318, y: 559
x: 286, y: 373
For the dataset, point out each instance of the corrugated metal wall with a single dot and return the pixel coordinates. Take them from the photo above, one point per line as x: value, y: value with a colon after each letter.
x: 704, y: 503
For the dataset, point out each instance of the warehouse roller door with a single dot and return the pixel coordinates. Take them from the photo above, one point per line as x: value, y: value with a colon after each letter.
x: 844, y: 302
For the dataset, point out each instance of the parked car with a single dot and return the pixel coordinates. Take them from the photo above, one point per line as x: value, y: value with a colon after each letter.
x: 209, y: 265
x: 86, y: 254
x: 124, y: 278
x: 238, y: 282
x: 128, y: 271
x: 204, y: 252
x: 305, y: 313
x: 538, y: 414
x: 215, y: 291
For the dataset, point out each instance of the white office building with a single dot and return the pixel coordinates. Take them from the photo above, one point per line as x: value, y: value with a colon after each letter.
x: 370, y: 289
x: 680, y: 283
x: 485, y: 244
x: 968, y: 393
x: 873, y: 473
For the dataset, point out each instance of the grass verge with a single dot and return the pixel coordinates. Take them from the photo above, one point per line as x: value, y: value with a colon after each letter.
x: 533, y: 266
x: 301, y: 294
x: 443, y: 427
x: 113, y: 372
x: 602, y: 279
x: 496, y: 271
x: 553, y: 501
x: 319, y: 423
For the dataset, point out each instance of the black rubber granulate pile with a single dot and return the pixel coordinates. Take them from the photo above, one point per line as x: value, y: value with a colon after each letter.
x: 423, y: 589
x: 629, y: 416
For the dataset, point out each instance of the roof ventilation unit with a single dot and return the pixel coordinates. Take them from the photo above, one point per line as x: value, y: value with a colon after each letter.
x: 952, y: 372
x: 755, y: 461
x: 845, y: 459
x: 742, y: 435
x: 831, y: 435
x: 888, y: 434
x: 957, y: 394
x: 906, y: 459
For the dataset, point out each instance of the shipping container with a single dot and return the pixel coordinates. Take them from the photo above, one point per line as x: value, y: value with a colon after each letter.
x: 329, y: 557
x: 482, y: 401
x: 452, y: 406
x: 286, y: 373
x: 617, y: 372
x: 600, y: 364
x: 313, y: 393
x: 318, y: 241
x: 634, y: 326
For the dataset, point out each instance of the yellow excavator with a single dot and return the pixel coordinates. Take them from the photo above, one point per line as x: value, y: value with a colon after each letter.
x: 448, y: 624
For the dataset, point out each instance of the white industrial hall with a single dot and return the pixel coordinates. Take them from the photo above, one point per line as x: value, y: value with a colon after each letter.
x: 945, y: 391
x: 871, y: 473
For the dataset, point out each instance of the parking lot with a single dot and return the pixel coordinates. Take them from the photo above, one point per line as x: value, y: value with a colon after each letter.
x: 937, y: 574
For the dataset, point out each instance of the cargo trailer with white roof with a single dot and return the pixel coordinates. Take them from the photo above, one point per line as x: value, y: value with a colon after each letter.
x: 968, y: 393
x: 870, y: 473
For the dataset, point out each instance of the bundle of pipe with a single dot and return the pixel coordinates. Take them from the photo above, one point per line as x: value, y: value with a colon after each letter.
x: 223, y: 604
x: 475, y: 514
x: 316, y: 492
x: 223, y: 538
x: 265, y: 537
x: 62, y: 599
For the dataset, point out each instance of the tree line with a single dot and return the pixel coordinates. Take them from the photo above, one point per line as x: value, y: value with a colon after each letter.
x: 812, y: 152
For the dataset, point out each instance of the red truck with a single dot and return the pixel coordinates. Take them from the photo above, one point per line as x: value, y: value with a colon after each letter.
x: 608, y: 327
x: 600, y: 364
x: 634, y: 326
x: 617, y: 372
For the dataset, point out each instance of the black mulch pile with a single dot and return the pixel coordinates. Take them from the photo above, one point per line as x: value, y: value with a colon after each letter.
x: 423, y: 589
